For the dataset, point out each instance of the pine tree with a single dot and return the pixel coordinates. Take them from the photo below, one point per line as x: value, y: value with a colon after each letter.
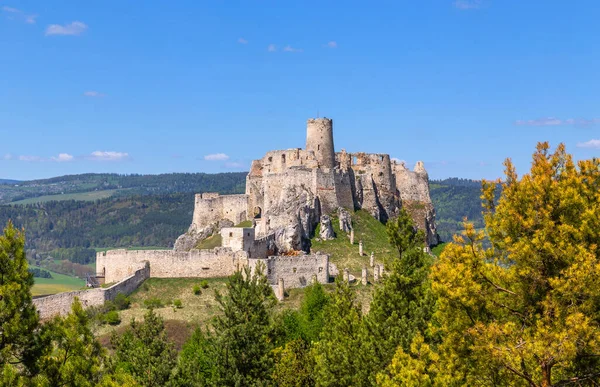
x: 403, y: 305
x: 18, y: 316
x: 72, y: 355
x: 243, y: 333
x: 340, y: 359
x: 144, y: 351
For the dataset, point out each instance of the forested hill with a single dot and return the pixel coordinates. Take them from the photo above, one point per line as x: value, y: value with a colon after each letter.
x: 106, y: 185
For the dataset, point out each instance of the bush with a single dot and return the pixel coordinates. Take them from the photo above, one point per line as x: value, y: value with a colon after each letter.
x: 178, y: 304
x: 197, y: 290
x: 204, y: 284
x: 112, y: 318
x: 122, y: 302
x: 153, y: 303
x: 145, y: 287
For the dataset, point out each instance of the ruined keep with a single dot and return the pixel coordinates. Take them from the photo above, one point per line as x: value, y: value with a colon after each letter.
x: 287, y: 192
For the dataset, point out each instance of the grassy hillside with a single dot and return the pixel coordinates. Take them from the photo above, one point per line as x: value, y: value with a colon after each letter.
x: 343, y: 254
x: 83, y: 196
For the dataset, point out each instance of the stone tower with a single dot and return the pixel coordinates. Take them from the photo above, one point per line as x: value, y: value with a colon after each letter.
x: 319, y: 139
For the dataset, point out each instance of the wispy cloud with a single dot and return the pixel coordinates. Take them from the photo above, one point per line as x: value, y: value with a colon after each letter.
x: 74, y: 28
x: 216, y: 157
x: 467, y: 4
x: 242, y: 41
x: 19, y: 14
x: 289, y: 48
x: 30, y: 158
x: 7, y: 156
x: 331, y: 44
x: 553, y: 121
x: 108, y: 156
x: 63, y: 157
x: 594, y: 144
x: 93, y: 94
x: 271, y: 48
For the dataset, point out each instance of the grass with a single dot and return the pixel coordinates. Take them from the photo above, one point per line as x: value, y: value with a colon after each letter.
x: 210, y: 243
x: 245, y: 223
x: 343, y: 254
x: 83, y: 196
x: 59, y: 283
x: 197, y: 310
x: 437, y: 250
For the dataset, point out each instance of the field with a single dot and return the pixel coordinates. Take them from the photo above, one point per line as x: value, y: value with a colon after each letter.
x: 59, y: 283
x: 85, y: 196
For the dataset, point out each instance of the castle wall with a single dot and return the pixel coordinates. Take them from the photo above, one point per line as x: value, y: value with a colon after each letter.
x: 60, y: 304
x: 218, y: 262
x: 237, y: 238
x: 413, y: 185
x: 296, y: 271
x: 211, y: 207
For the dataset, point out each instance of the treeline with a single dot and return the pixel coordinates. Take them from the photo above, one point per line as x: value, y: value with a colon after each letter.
x: 40, y: 273
x: 126, y: 185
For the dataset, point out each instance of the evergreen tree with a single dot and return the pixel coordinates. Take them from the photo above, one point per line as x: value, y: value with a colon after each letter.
x: 18, y: 316
x: 72, y: 355
x: 144, y: 351
x: 243, y: 333
x: 196, y: 364
x: 403, y: 305
x: 340, y: 359
x: 293, y: 365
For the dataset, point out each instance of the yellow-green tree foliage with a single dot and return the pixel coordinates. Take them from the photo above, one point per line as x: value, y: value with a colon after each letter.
x: 525, y: 311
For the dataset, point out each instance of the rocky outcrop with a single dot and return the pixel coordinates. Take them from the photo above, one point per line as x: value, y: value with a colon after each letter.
x: 326, y: 230
x: 345, y: 220
x: 190, y: 239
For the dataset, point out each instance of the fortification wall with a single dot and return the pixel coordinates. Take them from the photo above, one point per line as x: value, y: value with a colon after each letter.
x: 412, y: 185
x: 237, y: 238
x: 210, y: 208
x: 296, y: 271
x: 60, y: 304
x: 218, y: 262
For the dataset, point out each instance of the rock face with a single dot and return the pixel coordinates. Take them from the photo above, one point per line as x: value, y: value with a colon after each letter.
x: 288, y: 191
x: 326, y: 229
x: 190, y: 239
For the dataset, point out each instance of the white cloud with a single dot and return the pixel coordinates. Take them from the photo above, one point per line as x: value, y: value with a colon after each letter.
x: 30, y: 158
x: 18, y: 14
x: 74, y: 28
x: 63, y: 157
x: 30, y: 19
x: 108, y: 156
x: 289, y: 48
x: 467, y: 4
x: 93, y: 94
x: 216, y: 157
x: 7, y: 156
x: 594, y: 144
x: 553, y: 121
x: 242, y: 41
x: 272, y: 48
x: 331, y: 44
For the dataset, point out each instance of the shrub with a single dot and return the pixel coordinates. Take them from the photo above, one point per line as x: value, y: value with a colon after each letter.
x: 153, y: 303
x: 197, y: 290
x: 145, y: 287
x: 204, y: 284
x: 122, y: 302
x: 112, y: 318
x: 178, y: 304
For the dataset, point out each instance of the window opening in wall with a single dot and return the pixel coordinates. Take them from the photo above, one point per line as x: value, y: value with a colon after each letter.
x: 320, y: 269
x: 257, y: 212
x: 294, y: 270
x: 381, y: 158
x: 380, y: 173
x: 230, y: 234
x: 318, y: 147
x: 248, y: 234
x: 270, y: 159
x: 283, y: 158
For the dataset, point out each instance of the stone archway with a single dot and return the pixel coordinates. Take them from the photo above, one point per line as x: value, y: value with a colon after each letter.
x: 257, y: 212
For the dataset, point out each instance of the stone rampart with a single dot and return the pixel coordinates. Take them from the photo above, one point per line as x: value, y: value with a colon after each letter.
x: 210, y: 208
x: 218, y: 262
x: 60, y: 304
x: 296, y: 271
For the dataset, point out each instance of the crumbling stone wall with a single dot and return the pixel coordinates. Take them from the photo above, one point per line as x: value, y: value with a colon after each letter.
x: 210, y: 208
x: 237, y: 238
x: 218, y: 262
x: 296, y: 271
x: 60, y: 304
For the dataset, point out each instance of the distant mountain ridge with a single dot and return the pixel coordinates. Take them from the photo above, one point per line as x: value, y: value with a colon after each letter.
x: 8, y: 181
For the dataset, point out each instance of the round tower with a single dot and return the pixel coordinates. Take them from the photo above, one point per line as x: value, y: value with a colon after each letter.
x: 319, y: 139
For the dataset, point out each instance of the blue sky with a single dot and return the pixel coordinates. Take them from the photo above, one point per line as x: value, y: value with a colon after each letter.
x: 209, y: 85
